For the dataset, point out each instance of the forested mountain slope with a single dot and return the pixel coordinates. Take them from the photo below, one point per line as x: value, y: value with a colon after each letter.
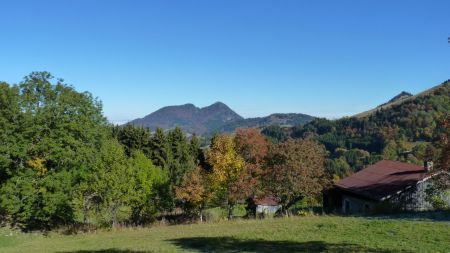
x: 407, y: 129
x: 399, y: 99
x: 281, y: 119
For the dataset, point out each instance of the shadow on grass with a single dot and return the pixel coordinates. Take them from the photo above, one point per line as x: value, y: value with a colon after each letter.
x: 107, y: 251
x: 230, y: 244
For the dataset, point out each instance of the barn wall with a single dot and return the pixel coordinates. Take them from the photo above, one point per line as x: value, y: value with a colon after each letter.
x: 414, y: 199
x: 352, y: 205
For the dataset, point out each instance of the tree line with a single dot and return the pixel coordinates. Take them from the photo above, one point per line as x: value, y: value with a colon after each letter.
x: 63, y: 164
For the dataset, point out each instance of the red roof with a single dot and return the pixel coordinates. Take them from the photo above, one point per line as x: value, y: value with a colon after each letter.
x: 266, y: 201
x: 383, y: 179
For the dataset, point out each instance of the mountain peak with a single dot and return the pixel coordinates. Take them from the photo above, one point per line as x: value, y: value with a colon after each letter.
x: 217, y: 104
x: 189, y: 117
x: 400, y: 96
x: 215, y: 117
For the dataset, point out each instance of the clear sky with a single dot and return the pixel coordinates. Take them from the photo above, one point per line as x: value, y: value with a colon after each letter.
x: 324, y: 58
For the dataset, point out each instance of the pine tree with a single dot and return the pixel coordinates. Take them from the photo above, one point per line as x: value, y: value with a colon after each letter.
x: 194, y: 149
x: 159, y: 149
x: 181, y: 161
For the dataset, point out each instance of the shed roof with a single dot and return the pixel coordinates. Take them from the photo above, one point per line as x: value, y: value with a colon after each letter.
x: 266, y: 201
x: 383, y: 179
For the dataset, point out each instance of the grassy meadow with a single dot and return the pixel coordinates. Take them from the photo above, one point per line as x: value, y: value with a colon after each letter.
x: 298, y: 234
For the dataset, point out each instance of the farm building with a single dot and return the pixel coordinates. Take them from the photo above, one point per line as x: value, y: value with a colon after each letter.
x: 384, y: 185
x: 266, y: 205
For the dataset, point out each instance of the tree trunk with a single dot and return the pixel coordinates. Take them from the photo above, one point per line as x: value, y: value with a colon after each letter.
x: 114, y: 214
x: 201, y: 215
x: 230, y: 211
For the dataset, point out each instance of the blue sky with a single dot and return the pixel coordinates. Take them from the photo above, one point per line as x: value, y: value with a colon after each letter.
x: 324, y: 58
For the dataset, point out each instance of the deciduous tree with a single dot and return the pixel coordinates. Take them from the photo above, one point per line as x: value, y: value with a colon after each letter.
x: 50, y: 140
x: 253, y: 147
x: 194, y: 192
x: 226, y: 165
x: 295, y: 170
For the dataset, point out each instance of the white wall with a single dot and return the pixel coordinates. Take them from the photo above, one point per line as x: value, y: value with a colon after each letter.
x: 267, y: 209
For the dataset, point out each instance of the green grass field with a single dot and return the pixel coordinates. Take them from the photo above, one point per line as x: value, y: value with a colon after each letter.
x: 299, y: 234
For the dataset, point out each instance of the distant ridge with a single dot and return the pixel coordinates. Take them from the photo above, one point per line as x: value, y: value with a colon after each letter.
x: 217, y: 117
x: 281, y: 119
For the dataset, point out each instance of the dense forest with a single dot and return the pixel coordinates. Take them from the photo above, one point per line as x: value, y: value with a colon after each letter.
x: 409, y: 131
x: 62, y: 164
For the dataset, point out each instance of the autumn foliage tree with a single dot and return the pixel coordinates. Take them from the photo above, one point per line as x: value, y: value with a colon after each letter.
x: 193, y: 192
x: 226, y: 166
x: 253, y: 147
x: 295, y: 170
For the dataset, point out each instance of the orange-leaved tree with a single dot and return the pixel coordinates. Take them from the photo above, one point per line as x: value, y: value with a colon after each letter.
x: 193, y: 192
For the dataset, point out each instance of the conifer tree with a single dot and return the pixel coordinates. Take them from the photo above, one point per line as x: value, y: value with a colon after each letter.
x: 159, y: 149
x: 194, y: 149
x: 181, y: 160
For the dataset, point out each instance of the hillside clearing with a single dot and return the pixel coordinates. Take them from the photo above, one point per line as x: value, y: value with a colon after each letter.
x: 300, y: 234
